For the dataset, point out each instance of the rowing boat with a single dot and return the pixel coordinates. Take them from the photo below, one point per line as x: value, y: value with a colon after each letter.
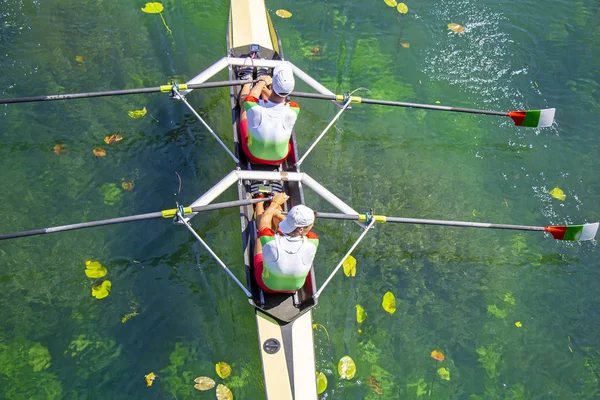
x: 283, y: 321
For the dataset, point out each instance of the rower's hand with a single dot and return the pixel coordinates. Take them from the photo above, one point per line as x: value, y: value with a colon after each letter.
x: 280, y: 198
x: 268, y: 80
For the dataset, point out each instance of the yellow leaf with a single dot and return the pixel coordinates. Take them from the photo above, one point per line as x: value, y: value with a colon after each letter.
x: 389, y: 302
x: 127, y: 185
x: 402, y: 8
x: 557, y: 193
x: 79, y: 59
x: 391, y: 3
x: 223, y: 369
x: 112, y: 138
x: 406, y: 45
x: 444, y: 373
x: 456, y: 28
x: 99, y: 152
x: 102, y: 290
x: 437, y: 355
x: 360, y: 314
x: 321, y: 382
x: 93, y: 269
x: 153, y: 8
x: 137, y: 113
x: 437, y: 102
x: 204, y: 383
x: 349, y: 266
x: 283, y: 13
x: 374, y: 384
x: 150, y: 378
x: 223, y: 393
x: 346, y: 368
x: 518, y: 324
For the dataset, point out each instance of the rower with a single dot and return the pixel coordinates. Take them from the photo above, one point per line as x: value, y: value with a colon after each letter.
x: 267, y: 119
x: 285, y: 247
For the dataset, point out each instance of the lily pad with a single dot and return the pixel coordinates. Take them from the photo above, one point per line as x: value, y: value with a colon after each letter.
x: 444, y: 373
x: 346, y: 368
x: 391, y: 3
x: 402, y: 8
x: 283, y: 13
x: 389, y: 302
x: 102, y: 290
x: 224, y: 393
x: 204, y: 383
x: 360, y: 314
x: 349, y: 266
x: 321, y: 382
x: 223, y: 369
x: 153, y: 8
x: 93, y: 269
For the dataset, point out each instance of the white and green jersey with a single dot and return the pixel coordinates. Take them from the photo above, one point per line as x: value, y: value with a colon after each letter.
x: 287, y: 259
x: 269, y: 127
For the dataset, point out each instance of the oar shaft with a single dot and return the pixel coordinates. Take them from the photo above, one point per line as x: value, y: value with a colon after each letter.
x: 122, y: 92
x: 395, y: 103
x: 420, y: 221
x: 131, y: 218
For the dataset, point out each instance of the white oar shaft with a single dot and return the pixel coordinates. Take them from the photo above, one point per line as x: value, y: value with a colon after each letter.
x: 212, y: 253
x: 318, y: 293
x: 180, y: 97
x: 338, y: 115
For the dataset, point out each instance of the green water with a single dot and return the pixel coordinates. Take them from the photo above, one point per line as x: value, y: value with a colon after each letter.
x: 459, y: 291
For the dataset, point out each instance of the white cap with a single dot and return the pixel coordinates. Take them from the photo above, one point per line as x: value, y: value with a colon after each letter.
x: 298, y: 216
x: 283, y: 79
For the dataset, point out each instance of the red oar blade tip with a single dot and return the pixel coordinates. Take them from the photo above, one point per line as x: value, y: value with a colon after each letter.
x: 533, y: 118
x: 574, y: 232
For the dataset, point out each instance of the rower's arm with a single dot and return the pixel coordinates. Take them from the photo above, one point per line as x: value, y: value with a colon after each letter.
x: 274, y: 209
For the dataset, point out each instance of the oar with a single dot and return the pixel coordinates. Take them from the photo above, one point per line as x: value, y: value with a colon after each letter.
x: 170, y: 213
x: 565, y: 232
x: 163, y: 89
x: 528, y: 118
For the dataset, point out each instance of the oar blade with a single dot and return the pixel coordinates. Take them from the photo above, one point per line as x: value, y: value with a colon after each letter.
x: 533, y: 118
x: 574, y: 232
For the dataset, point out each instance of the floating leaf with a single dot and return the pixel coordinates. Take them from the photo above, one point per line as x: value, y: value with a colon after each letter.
x: 391, y: 3
x: 127, y: 185
x: 283, y: 13
x: 93, y: 269
x: 59, y: 149
x: 389, y: 302
x: 223, y: 369
x: 349, y: 266
x: 153, y: 8
x: 112, y: 139
x: 150, y: 378
x: 444, y: 374
x: 99, y: 152
x: 346, y: 368
x: 315, y: 51
x: 102, y: 290
x: 79, y: 59
x: 456, y: 28
x: 374, y: 384
x: 518, y: 324
x: 406, y: 45
x: 223, y: 393
x: 127, y: 317
x: 204, y: 383
x: 402, y: 8
x: 135, y: 114
x: 557, y: 193
x: 321, y: 382
x: 360, y: 314
x: 437, y: 355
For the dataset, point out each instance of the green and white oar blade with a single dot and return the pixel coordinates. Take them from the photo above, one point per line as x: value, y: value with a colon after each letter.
x: 574, y: 232
x: 533, y: 118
